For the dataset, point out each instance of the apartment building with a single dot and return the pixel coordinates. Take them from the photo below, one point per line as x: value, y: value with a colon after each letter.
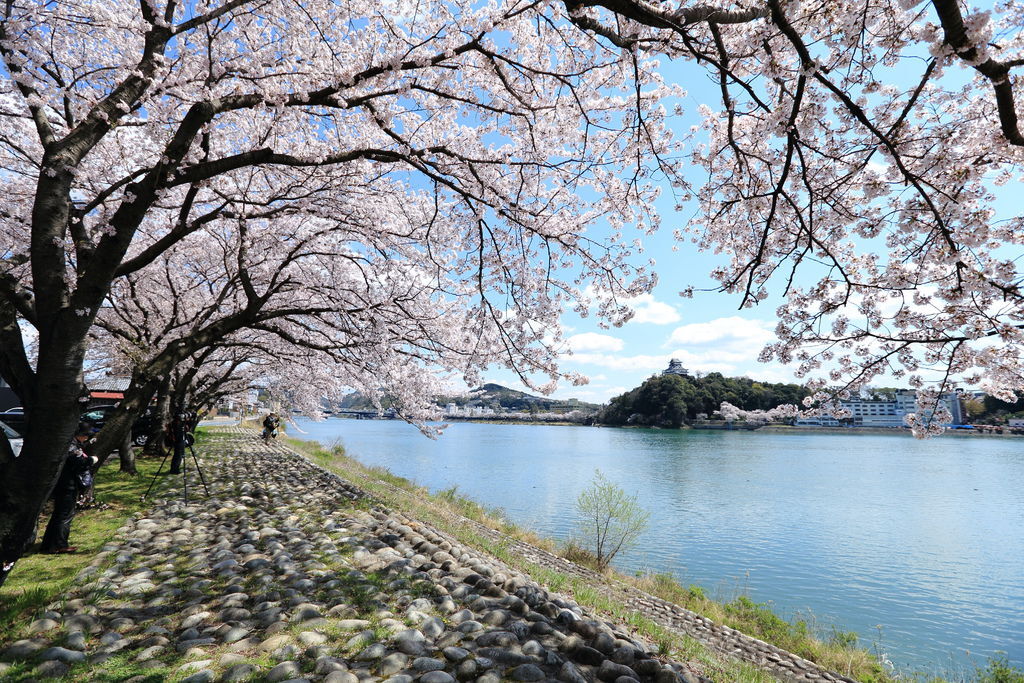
x: 867, y: 412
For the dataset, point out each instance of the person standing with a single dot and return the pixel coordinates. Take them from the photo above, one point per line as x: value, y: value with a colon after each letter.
x: 178, y: 429
x: 75, y: 477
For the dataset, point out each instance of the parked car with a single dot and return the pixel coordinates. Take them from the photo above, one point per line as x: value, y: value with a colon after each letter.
x: 10, y: 440
x: 141, y: 428
x: 14, y: 419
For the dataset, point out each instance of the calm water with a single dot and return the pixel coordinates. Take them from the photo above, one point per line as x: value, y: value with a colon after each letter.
x: 916, y: 545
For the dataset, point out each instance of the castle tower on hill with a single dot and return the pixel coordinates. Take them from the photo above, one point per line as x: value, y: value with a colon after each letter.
x: 675, y: 367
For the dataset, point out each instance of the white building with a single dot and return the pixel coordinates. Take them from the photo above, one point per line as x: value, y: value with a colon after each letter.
x: 890, y: 413
x: 876, y: 413
x: 867, y: 412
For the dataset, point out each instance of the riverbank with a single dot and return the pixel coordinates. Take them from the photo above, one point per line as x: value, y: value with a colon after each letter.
x: 889, y: 431
x: 661, y: 608
x: 286, y: 572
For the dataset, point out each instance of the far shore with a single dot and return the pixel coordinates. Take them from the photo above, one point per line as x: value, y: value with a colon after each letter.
x: 886, y: 431
x: 988, y: 430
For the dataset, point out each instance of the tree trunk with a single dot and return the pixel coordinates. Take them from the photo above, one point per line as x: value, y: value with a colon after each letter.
x: 52, y: 408
x: 126, y: 454
x: 119, y: 425
x: 162, y: 415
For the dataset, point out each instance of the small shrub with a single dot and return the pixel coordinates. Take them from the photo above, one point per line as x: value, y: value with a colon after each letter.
x: 761, y: 622
x: 609, y: 518
x: 999, y: 670
x: 844, y: 639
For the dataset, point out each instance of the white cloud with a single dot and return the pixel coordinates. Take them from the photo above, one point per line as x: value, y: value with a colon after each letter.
x: 728, y: 334
x: 593, y: 341
x: 650, y: 310
x: 645, y: 307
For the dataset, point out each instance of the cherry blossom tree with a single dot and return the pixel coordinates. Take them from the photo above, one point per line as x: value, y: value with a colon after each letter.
x: 446, y: 158
x: 783, y: 413
x: 856, y: 158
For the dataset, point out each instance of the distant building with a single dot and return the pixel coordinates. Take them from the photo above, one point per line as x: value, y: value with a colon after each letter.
x: 822, y: 421
x: 876, y: 412
x: 106, y: 390
x: 869, y: 412
x: 675, y: 367
x: 872, y: 412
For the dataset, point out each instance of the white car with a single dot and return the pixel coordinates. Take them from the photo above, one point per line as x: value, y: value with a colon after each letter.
x: 10, y: 439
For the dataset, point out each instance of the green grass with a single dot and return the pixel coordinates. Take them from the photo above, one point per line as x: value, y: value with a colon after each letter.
x: 39, y: 580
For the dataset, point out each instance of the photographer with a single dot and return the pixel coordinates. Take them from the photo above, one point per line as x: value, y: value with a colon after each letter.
x: 75, y: 477
x: 178, y: 436
x: 270, y: 424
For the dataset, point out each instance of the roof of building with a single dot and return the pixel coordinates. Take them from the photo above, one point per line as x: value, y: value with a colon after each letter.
x: 109, y: 384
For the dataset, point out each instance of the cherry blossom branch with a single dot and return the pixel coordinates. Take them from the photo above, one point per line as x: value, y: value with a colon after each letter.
x: 998, y: 73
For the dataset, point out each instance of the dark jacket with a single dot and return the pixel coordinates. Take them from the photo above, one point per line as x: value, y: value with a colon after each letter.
x: 76, y: 463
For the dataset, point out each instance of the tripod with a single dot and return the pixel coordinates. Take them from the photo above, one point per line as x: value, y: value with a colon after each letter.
x: 184, y: 472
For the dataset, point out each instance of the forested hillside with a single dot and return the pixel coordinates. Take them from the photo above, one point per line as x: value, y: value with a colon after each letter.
x: 672, y: 400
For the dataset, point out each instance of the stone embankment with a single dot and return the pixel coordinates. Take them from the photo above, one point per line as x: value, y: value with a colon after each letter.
x: 287, y: 573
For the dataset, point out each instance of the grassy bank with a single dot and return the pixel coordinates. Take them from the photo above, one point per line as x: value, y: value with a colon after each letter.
x: 840, y: 653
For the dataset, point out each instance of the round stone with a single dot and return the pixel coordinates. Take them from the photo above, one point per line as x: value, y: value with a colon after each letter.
x: 204, y: 676
x: 52, y: 669
x: 437, y: 677
x: 62, y: 654
x: 375, y: 651
x: 341, y: 677
x: 424, y: 664
x: 392, y: 664
x: 432, y: 627
x: 455, y: 654
x: 527, y: 672
x: 40, y: 625
x: 283, y: 672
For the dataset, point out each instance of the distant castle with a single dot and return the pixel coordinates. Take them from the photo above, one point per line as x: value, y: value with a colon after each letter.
x: 675, y: 367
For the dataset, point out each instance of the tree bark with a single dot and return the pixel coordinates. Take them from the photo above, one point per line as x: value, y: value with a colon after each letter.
x: 126, y: 454
x: 161, y: 416
x: 52, y: 408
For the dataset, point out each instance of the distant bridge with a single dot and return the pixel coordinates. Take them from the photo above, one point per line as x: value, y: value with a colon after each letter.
x: 367, y: 414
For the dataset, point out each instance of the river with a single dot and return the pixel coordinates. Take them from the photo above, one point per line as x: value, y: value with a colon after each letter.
x: 918, y: 546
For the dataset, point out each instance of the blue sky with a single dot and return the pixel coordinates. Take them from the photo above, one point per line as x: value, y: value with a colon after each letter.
x: 708, y: 332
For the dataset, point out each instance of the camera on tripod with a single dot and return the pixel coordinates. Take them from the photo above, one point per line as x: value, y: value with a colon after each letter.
x: 181, y: 428
x: 177, y: 438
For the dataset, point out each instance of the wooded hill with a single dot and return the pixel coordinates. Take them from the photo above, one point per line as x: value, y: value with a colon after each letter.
x: 673, y: 400
x: 490, y: 395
